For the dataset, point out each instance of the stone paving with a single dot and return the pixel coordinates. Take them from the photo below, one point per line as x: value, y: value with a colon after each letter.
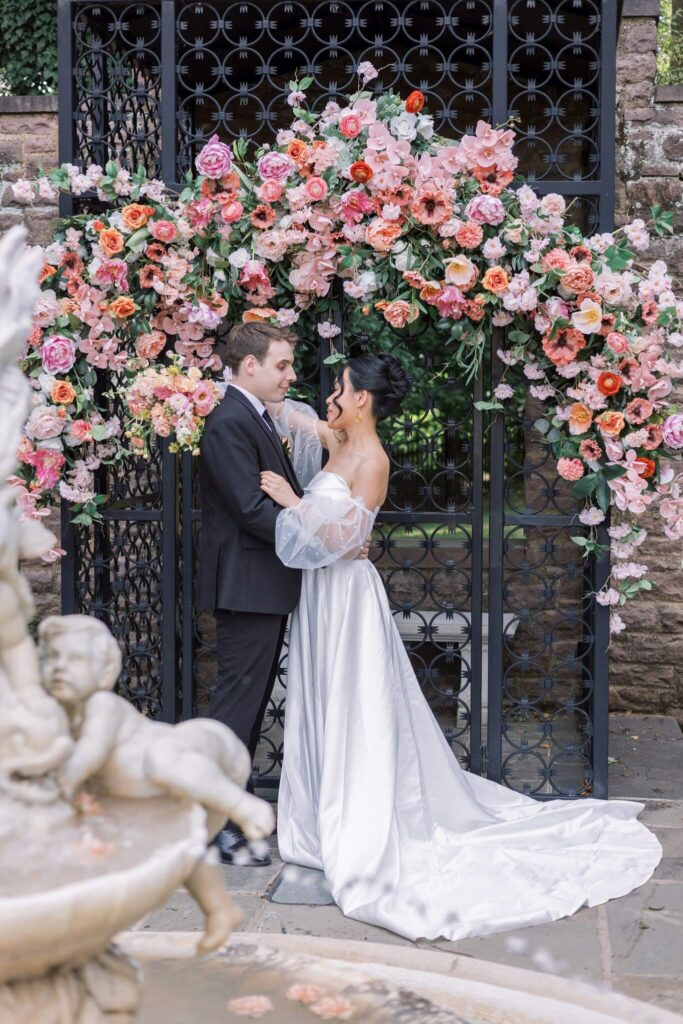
x: 633, y: 945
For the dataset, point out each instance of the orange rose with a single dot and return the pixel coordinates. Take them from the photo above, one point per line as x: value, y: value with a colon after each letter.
x: 495, y: 280
x: 257, y: 315
x: 110, y: 241
x: 580, y: 418
x: 415, y: 102
x: 46, y: 272
x: 399, y: 313
x: 609, y: 383
x: 381, y: 234
x: 135, y: 215
x: 611, y: 423
x: 62, y: 392
x: 123, y: 307
x: 361, y: 172
x: 298, y: 150
x: 430, y: 292
x: 578, y: 279
x: 97, y: 225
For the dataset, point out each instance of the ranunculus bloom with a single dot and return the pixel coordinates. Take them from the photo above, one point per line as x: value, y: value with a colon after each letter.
x: 214, y: 160
x: 316, y: 188
x: 381, y: 234
x: 79, y: 431
x: 110, y: 241
x: 232, y: 211
x: 270, y: 191
x: 350, y: 126
x: 611, y: 423
x: 135, y: 215
x: 469, y: 234
x: 570, y: 469
x: 123, y: 307
x: 399, y: 313
x: 578, y: 278
x: 672, y: 431
x: 149, y: 345
x: 563, y: 345
x: 495, y: 280
x: 163, y: 230
x: 57, y: 354
x: 617, y: 343
x: 361, y: 171
x: 609, y: 383
x: 62, y: 392
x: 638, y: 411
x: 590, y: 450
x: 415, y: 101
x: 580, y: 418
x: 644, y: 467
x: 556, y: 259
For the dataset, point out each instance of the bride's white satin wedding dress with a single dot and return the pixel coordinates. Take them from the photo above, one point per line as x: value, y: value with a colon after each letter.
x: 372, y: 794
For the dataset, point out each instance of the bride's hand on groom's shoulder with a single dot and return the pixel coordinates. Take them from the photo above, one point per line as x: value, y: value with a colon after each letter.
x: 277, y: 488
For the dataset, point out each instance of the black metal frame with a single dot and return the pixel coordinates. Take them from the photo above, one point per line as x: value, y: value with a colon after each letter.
x: 176, y: 511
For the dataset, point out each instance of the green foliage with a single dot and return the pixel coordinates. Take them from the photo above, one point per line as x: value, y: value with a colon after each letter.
x: 670, y: 43
x: 28, y: 47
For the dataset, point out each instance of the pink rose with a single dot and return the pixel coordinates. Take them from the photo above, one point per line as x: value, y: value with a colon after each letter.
x: 58, y: 354
x: 485, y: 209
x: 570, y: 469
x: 316, y: 189
x: 618, y: 343
x: 79, y: 432
x: 275, y: 166
x: 148, y: 346
x: 672, y: 431
x: 350, y: 126
x: 214, y: 160
x: 232, y: 211
x: 43, y: 423
x: 204, y: 398
x: 162, y: 230
x: 270, y: 191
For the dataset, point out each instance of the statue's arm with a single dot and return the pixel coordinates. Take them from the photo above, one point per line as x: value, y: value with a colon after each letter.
x: 102, y: 718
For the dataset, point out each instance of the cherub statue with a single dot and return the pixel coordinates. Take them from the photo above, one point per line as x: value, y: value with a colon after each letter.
x: 128, y: 755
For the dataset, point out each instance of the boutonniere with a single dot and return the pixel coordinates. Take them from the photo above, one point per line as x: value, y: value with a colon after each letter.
x: 286, y: 445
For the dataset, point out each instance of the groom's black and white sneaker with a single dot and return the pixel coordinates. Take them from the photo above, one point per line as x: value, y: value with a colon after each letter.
x: 234, y: 848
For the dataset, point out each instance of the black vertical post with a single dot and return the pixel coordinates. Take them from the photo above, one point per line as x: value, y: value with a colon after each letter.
x: 477, y: 571
x: 187, y: 589
x: 599, y: 572
x: 608, y: 78
x: 497, y: 456
x: 169, y: 589
x: 168, y: 93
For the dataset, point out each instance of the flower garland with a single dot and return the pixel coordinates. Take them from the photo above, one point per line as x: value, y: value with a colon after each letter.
x: 418, y: 228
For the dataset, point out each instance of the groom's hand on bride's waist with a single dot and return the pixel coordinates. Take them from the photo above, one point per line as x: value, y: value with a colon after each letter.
x: 365, y: 550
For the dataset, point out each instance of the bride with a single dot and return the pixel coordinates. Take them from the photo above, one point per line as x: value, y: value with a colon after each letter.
x: 370, y: 791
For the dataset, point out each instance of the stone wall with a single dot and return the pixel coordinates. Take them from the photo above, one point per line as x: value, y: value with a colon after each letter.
x: 645, y: 673
x: 645, y: 662
x: 28, y: 138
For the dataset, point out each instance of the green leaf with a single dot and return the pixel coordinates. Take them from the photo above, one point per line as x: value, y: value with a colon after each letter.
x: 580, y: 541
x: 111, y: 168
x: 306, y: 82
x: 585, y: 486
x: 617, y: 257
x: 332, y: 360
x: 82, y: 519
x: 99, y: 432
x: 542, y: 426
x: 612, y: 472
x: 489, y: 406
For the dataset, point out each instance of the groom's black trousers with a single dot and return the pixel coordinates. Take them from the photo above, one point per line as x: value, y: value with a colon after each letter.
x: 248, y: 646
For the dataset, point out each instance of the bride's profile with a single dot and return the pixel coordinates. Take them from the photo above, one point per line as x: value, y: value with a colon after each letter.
x: 370, y: 791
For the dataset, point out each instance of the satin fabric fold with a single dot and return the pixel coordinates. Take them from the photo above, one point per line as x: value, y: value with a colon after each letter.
x: 372, y: 794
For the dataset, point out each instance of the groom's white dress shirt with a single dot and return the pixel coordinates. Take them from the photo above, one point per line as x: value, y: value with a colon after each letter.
x: 256, y: 402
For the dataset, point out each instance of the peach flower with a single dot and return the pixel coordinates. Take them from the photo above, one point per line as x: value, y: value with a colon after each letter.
x: 135, y: 215
x: 431, y: 206
x: 163, y: 230
x: 617, y: 343
x: 590, y: 450
x: 123, y: 307
x: 399, y: 313
x: 580, y: 418
x: 611, y: 423
x: 381, y: 234
x: 110, y: 241
x: 495, y: 280
x: 333, y: 1008
x: 570, y: 469
x: 257, y: 315
x: 302, y: 993
x: 62, y: 392
x: 563, y: 345
x: 578, y: 278
x: 232, y: 211
x: 250, y: 1006
x: 461, y: 271
x: 469, y: 234
x: 148, y: 346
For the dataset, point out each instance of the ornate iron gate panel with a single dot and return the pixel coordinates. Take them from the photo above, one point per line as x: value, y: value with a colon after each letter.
x: 490, y: 596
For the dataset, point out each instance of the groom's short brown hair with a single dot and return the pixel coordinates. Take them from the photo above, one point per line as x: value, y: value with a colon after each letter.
x: 252, y: 339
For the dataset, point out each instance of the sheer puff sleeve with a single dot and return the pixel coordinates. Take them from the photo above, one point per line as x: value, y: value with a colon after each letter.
x: 298, y: 423
x: 323, y: 528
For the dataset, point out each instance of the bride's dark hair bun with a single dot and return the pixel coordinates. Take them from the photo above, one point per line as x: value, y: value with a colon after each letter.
x: 383, y: 376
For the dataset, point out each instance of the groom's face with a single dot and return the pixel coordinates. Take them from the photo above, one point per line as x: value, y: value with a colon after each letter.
x: 271, y: 379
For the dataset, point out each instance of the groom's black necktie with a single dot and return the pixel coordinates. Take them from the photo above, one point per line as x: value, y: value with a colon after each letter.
x: 269, y: 423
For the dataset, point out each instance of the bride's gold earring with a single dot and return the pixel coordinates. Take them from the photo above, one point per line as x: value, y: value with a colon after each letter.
x: 359, y: 417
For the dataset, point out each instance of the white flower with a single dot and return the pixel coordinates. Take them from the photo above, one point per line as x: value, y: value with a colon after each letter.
x: 675, y: 339
x: 629, y: 570
x: 638, y: 235
x: 367, y: 71
x: 588, y: 317
x: 46, y: 189
x: 286, y: 317
x: 295, y: 97
x: 503, y: 392
x: 607, y: 597
x: 238, y: 258
x: 533, y: 371
x: 592, y: 516
x: 507, y: 357
x: 616, y: 623
x: 328, y: 330
x: 22, y: 190
x: 493, y: 249
x: 403, y: 258
x: 619, y: 532
x: 600, y: 243
x: 542, y: 392
x: 391, y: 211
x: 553, y: 204
x: 404, y: 126
x: 501, y: 319
x: 425, y: 126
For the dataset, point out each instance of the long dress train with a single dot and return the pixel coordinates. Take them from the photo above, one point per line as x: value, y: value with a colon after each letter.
x: 372, y: 794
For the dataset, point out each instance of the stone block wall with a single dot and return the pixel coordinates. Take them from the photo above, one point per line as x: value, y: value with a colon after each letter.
x: 28, y: 138
x: 645, y: 661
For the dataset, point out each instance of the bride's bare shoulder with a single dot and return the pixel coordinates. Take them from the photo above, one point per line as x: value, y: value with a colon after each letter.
x: 371, y: 477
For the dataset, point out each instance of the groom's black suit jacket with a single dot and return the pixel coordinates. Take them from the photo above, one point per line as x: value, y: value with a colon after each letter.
x: 238, y: 569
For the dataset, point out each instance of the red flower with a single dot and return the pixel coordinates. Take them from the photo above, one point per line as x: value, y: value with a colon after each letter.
x: 648, y: 466
x: 609, y: 383
x: 361, y: 172
x: 415, y: 102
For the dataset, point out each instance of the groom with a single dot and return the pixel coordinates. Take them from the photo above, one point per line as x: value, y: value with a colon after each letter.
x: 239, y: 575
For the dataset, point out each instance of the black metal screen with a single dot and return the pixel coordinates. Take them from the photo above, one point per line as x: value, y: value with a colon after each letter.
x: 489, y: 593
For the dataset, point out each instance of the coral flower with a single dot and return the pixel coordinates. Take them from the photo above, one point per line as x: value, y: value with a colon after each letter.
x: 350, y: 126
x: 609, y: 383
x: 46, y: 272
x: 431, y: 206
x: 638, y: 410
x: 263, y: 216
x: 135, y: 215
x: 611, y: 423
x: 123, y: 307
x: 580, y: 418
x: 645, y: 467
x: 590, y: 450
x: 563, y: 345
x: 62, y: 392
x: 155, y: 251
x: 298, y: 150
x: 148, y: 274
x: 469, y: 234
x: 399, y: 313
x: 415, y: 102
x: 495, y: 280
x: 72, y: 263
x: 492, y: 180
x: 361, y: 171
x: 261, y: 315
x: 570, y: 469
x: 110, y: 241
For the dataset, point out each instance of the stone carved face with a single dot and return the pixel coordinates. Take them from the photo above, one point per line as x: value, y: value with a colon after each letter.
x: 79, y: 657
